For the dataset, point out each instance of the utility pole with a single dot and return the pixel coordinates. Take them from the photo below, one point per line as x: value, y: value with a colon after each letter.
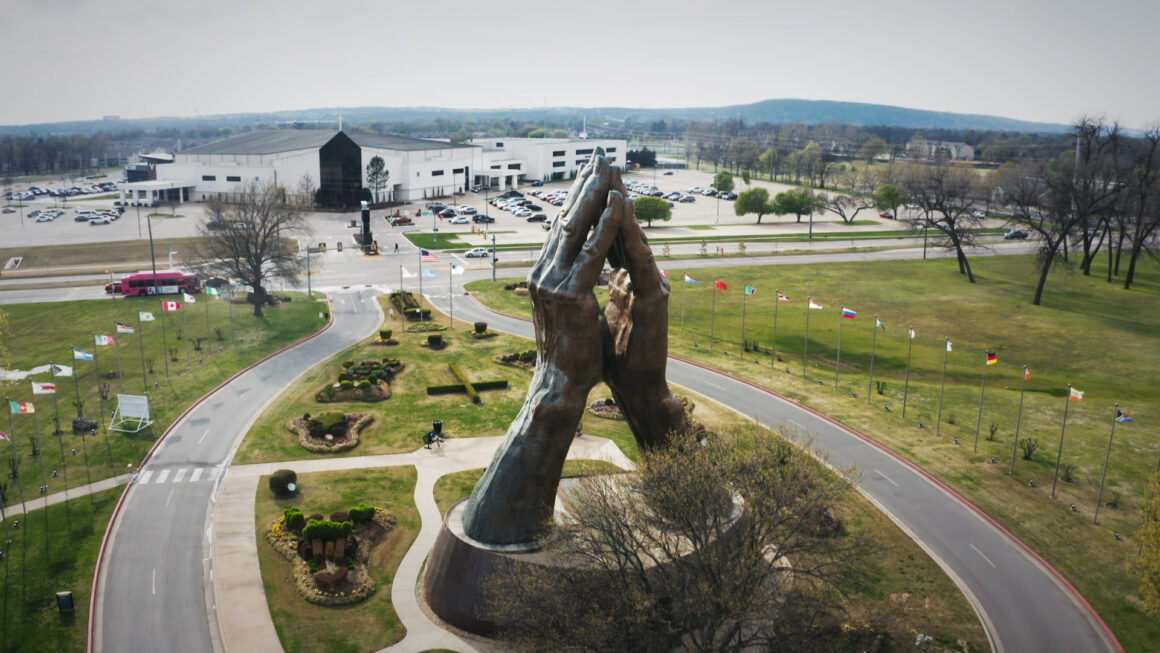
x: 493, y: 257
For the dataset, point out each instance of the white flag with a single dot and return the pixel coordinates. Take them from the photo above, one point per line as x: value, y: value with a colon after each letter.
x: 189, y: 299
x: 455, y: 269
x: 407, y: 274
x: 43, y: 388
x: 912, y: 334
x: 61, y: 370
x: 948, y: 345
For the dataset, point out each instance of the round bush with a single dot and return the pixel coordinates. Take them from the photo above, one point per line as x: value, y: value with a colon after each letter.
x: 343, y: 377
x: 280, y: 482
x: 364, y: 384
x: 481, y: 327
x: 385, y: 334
x: 435, y: 340
x: 361, y: 513
x: 294, y: 519
x: 346, y: 385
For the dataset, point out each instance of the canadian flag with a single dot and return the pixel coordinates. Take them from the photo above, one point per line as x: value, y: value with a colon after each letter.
x: 170, y: 306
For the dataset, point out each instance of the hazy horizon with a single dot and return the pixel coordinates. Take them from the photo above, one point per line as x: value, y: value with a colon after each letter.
x: 1032, y: 60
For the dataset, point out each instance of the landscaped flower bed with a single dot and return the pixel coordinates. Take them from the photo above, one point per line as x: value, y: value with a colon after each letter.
x: 328, y: 441
x: 524, y: 359
x: 606, y: 408
x: 367, y: 380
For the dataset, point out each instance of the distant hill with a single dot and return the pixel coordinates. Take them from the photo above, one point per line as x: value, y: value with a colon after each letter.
x: 771, y: 111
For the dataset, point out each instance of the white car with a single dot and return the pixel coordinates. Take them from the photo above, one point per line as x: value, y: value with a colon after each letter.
x: 547, y: 224
x: 477, y: 251
x: 523, y: 213
x: 464, y: 209
x: 460, y: 219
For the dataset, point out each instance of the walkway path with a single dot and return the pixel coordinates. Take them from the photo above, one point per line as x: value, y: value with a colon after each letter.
x: 243, y: 616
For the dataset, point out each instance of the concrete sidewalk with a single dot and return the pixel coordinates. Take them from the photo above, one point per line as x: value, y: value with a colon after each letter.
x: 243, y: 616
x: 68, y: 495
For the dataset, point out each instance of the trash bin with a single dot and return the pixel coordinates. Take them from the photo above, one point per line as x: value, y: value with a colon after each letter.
x: 437, y: 427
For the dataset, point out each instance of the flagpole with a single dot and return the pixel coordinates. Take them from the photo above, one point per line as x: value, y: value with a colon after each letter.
x: 1107, y: 456
x: 806, y: 346
x: 55, y: 403
x: 982, y: 391
x: 873, y: 350
x: 942, y: 389
x: 76, y: 380
x: 165, y: 340
x: 420, y: 301
x: 713, y: 315
x: 1059, y: 456
x: 16, y: 457
x: 141, y: 341
x: 450, y: 294
x: 1018, y: 420
x: 744, y: 298
x: 906, y: 385
x: 231, y: 315
x: 100, y: 398
x: 120, y: 367
x: 838, y: 359
x: 402, y: 304
x: 185, y: 328
x: 206, y: 300
x: 773, y: 347
x: 684, y: 292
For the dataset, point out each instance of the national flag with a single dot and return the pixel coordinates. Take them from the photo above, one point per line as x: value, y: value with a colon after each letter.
x: 719, y: 285
x: 427, y: 272
x: 124, y: 328
x: 21, y: 407
x: 168, y: 306
x: 80, y: 355
x: 145, y: 316
x: 750, y: 290
x: 103, y: 341
x: 689, y: 279
x: 1026, y: 373
x: 878, y: 323
x: 43, y: 388
x: 1074, y: 395
x: 814, y: 304
x: 407, y: 274
x: 782, y: 298
x: 427, y: 257
x: 912, y: 333
x: 665, y: 273
x: 455, y: 269
x: 848, y: 314
x: 992, y: 358
x: 210, y: 290
x: 189, y: 299
x: 60, y: 370
x: 949, y: 346
x: 4, y: 437
x: 1121, y: 416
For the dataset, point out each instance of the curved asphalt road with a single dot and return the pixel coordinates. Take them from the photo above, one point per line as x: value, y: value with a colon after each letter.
x: 150, y: 594
x: 1024, y: 605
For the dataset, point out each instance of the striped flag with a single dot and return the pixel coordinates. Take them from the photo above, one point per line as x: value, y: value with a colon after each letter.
x: 1074, y: 395
x: 1026, y: 373
x: 43, y: 388
x: 145, y: 316
x: 1121, y: 416
x: 689, y: 279
x: 4, y: 437
x: 782, y: 298
x: 878, y: 323
x: 210, y: 290
x: 750, y: 290
x: 21, y: 407
x: 125, y: 328
x: 848, y: 314
x: 992, y: 358
x: 427, y: 257
x: 81, y: 355
x: 103, y: 341
x: 169, y: 306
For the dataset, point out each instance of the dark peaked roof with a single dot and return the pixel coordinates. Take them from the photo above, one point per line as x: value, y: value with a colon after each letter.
x: 288, y: 140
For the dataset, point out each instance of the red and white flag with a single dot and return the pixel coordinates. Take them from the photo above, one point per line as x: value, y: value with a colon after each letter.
x: 814, y: 304
x: 782, y: 298
x: 189, y: 299
x: 170, y: 306
x: 43, y: 388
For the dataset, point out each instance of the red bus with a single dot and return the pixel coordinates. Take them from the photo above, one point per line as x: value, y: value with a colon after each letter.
x: 167, y: 282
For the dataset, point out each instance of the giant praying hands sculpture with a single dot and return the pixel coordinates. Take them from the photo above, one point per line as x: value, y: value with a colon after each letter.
x: 578, y: 346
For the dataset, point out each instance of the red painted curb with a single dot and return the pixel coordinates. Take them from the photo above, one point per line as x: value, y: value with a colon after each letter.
x: 955, y: 495
x: 149, y: 454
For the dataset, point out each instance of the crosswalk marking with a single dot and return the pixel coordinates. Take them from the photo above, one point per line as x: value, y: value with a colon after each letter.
x: 196, y: 475
x: 162, y: 476
x: 180, y: 475
x: 145, y: 477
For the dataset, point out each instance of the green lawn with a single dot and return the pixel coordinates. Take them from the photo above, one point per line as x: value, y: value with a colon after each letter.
x: 53, y: 550
x: 365, y: 626
x: 1095, y: 335
x: 132, y: 252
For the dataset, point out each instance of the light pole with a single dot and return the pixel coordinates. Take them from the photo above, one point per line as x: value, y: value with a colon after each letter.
x: 493, y: 257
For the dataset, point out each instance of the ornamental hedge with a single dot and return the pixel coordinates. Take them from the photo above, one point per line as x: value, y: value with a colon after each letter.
x: 324, y: 529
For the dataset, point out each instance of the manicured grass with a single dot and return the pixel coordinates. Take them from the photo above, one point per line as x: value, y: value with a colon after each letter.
x: 401, y: 421
x: 133, y: 252
x: 1101, y: 338
x: 457, y: 486
x: 38, y: 563
x: 39, y: 333
x: 442, y: 241
x: 365, y: 626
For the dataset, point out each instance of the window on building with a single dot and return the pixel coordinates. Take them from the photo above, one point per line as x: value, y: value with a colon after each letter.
x: 457, y: 171
x: 436, y: 173
x: 515, y: 166
x: 610, y: 150
x: 587, y: 151
x: 209, y: 177
x: 495, y: 167
x: 233, y: 178
x: 498, y: 144
x: 558, y: 164
x: 558, y: 153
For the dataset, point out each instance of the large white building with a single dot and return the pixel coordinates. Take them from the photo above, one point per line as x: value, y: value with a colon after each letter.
x: 333, y: 165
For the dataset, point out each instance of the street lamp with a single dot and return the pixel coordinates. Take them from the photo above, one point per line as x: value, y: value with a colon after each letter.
x: 493, y: 257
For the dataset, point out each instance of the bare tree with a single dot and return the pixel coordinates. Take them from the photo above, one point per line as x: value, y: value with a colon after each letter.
x: 1097, y: 179
x: 1038, y: 199
x: 252, y: 239
x: 714, y: 548
x: 306, y: 189
x: 1143, y: 206
x: 948, y: 194
x: 844, y: 206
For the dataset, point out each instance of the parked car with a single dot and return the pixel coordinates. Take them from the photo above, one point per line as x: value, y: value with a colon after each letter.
x: 461, y: 219
x: 887, y: 215
x: 547, y: 224
x: 101, y: 219
x: 687, y: 199
x: 697, y: 190
x: 978, y: 214
x: 709, y: 192
x: 510, y: 193
x: 673, y: 196
x: 668, y: 173
x: 482, y: 217
x: 447, y: 213
x: 401, y: 220
x: 537, y: 217
x: 523, y: 213
x: 727, y: 195
x: 477, y: 251
x: 1015, y: 234
x: 9, y: 209
x: 537, y: 183
x: 465, y: 209
x: 44, y: 218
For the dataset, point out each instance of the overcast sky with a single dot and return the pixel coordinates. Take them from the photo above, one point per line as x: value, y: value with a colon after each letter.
x: 1041, y: 60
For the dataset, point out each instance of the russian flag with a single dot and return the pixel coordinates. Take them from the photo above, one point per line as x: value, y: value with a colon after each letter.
x: 848, y: 314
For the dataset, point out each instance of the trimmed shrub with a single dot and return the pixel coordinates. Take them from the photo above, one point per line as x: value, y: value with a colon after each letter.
x: 348, y: 364
x: 325, y: 423
x: 445, y: 389
x: 490, y: 385
x: 326, y: 530
x: 385, y: 334
x: 481, y: 327
x: 294, y: 518
x: 361, y: 513
x: 435, y: 340
x: 346, y: 385
x: 344, y: 377
x: 280, y: 482
x: 528, y: 356
x: 364, y: 384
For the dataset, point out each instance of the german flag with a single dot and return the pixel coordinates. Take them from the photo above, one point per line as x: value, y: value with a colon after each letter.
x: 992, y: 358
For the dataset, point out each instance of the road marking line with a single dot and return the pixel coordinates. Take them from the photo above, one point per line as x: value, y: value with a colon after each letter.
x: 196, y: 475
x: 168, y: 498
x: 888, y: 479
x: 145, y: 476
x: 981, y: 555
x: 710, y: 383
x: 203, y: 436
x: 162, y: 476
x: 154, y: 580
x: 180, y: 475
x: 802, y: 428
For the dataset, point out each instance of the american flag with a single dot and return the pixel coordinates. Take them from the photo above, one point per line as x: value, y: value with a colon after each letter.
x: 427, y: 257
